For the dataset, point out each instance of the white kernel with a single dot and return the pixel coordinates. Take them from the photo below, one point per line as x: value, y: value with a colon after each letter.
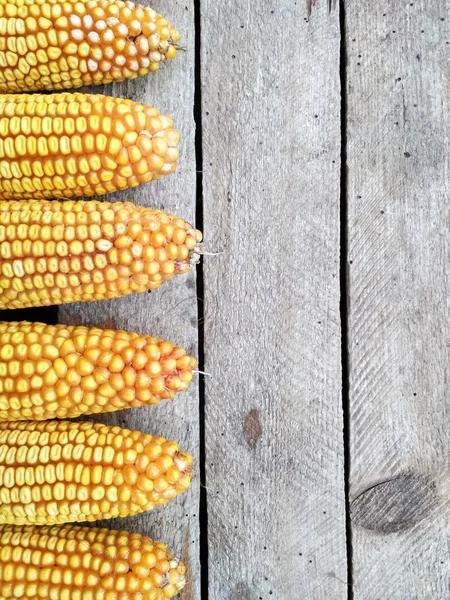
x: 122, y: 30
x: 103, y: 245
x: 108, y: 35
x: 100, y: 25
x: 93, y: 37
x: 120, y: 60
x: 145, y: 62
x: 75, y: 20
x: 154, y: 40
x: 77, y: 35
x: 135, y: 25
x: 142, y: 44
x: 88, y: 21
x: 92, y: 65
x: 111, y: 21
x: 133, y: 65
x: 108, y: 53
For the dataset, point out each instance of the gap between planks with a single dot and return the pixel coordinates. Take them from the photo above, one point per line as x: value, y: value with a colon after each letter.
x: 203, y: 509
x: 344, y: 300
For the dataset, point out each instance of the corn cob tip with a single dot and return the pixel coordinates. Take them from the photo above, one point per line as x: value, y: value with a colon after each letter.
x: 62, y: 45
x: 86, y: 563
x: 195, y: 253
x: 61, y: 471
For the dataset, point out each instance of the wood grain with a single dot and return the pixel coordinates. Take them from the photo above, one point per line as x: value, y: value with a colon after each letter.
x: 274, y: 444
x: 399, y: 333
x: 171, y: 311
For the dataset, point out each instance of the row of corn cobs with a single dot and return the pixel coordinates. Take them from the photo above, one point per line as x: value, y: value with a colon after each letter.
x: 54, y: 252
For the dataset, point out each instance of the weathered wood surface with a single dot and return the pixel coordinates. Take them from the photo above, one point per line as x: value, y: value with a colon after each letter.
x: 399, y: 334
x: 274, y: 443
x: 171, y: 311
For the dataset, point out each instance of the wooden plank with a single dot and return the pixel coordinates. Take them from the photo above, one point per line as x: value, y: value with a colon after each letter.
x: 274, y: 444
x: 171, y: 311
x: 399, y: 336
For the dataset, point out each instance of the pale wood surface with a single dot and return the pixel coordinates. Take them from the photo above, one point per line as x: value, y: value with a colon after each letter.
x: 399, y: 334
x: 274, y: 443
x: 171, y: 311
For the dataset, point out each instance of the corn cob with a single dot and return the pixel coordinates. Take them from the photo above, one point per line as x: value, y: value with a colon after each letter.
x: 61, y: 45
x: 60, y: 471
x: 83, y: 563
x: 51, y: 371
x: 59, y: 252
x: 69, y: 145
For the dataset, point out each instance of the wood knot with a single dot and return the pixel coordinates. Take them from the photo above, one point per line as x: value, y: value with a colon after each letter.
x: 394, y: 505
x: 252, y: 428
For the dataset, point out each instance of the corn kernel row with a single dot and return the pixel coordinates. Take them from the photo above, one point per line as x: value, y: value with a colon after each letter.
x: 69, y: 563
x: 59, y: 45
x: 67, y: 145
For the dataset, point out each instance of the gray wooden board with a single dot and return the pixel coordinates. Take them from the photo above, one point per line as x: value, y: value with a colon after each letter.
x: 399, y: 333
x: 171, y: 311
x: 274, y: 442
